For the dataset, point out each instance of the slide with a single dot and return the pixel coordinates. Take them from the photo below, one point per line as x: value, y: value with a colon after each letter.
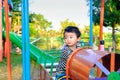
x: 35, y: 53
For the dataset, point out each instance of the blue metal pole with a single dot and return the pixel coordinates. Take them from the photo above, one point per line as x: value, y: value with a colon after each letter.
x: 98, y: 64
x: 25, y: 41
x: 91, y: 24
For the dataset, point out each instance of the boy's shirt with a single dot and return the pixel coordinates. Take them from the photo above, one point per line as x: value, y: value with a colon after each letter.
x: 66, y: 51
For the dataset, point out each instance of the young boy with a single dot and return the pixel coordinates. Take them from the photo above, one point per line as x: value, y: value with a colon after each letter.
x: 71, y: 39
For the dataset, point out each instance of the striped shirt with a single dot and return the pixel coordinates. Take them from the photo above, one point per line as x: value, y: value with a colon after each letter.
x: 66, y: 51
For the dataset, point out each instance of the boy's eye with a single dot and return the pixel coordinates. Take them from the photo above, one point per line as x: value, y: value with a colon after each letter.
x: 65, y: 37
x: 70, y: 37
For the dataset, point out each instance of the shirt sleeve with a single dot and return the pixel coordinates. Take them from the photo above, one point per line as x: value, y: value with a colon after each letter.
x: 63, y: 58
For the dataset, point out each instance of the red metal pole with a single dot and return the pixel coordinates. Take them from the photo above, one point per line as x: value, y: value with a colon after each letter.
x: 8, y: 41
x: 1, y: 51
x: 101, y: 29
x: 101, y: 19
x: 112, y: 62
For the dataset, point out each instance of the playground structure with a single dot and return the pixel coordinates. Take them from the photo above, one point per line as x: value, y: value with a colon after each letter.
x: 32, y: 51
x: 82, y: 61
x: 81, y: 57
x: 107, y: 62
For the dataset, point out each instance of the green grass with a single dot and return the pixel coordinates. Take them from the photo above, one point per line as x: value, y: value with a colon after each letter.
x: 16, y: 67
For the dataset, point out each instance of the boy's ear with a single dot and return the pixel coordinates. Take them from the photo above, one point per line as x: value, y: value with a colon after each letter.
x: 78, y: 39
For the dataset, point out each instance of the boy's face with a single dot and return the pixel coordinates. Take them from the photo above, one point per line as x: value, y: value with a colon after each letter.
x: 71, y: 39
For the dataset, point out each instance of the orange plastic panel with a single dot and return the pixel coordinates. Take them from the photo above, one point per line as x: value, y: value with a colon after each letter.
x: 81, y: 61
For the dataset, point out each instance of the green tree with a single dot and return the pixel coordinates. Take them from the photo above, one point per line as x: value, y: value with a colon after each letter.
x: 95, y: 30
x: 16, y: 5
x: 16, y: 19
x: 16, y: 13
x: 111, y: 14
x: 38, y: 23
x: 66, y: 23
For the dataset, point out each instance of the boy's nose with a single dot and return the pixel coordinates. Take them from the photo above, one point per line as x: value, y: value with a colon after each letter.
x: 68, y: 40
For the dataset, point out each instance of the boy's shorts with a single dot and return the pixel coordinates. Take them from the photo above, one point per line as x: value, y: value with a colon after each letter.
x: 61, y: 76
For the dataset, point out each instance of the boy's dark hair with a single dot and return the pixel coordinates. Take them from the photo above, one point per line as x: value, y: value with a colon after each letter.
x: 73, y: 29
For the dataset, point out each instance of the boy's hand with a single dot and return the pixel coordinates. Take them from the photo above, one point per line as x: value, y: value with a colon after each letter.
x: 88, y: 47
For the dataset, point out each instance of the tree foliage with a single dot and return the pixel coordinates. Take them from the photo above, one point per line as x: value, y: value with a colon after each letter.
x: 66, y: 23
x: 111, y: 15
x: 96, y: 29
x: 111, y: 12
x: 38, y: 23
x: 16, y: 5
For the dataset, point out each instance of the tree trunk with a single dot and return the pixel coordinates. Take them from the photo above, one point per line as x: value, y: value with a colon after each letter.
x: 113, y: 39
